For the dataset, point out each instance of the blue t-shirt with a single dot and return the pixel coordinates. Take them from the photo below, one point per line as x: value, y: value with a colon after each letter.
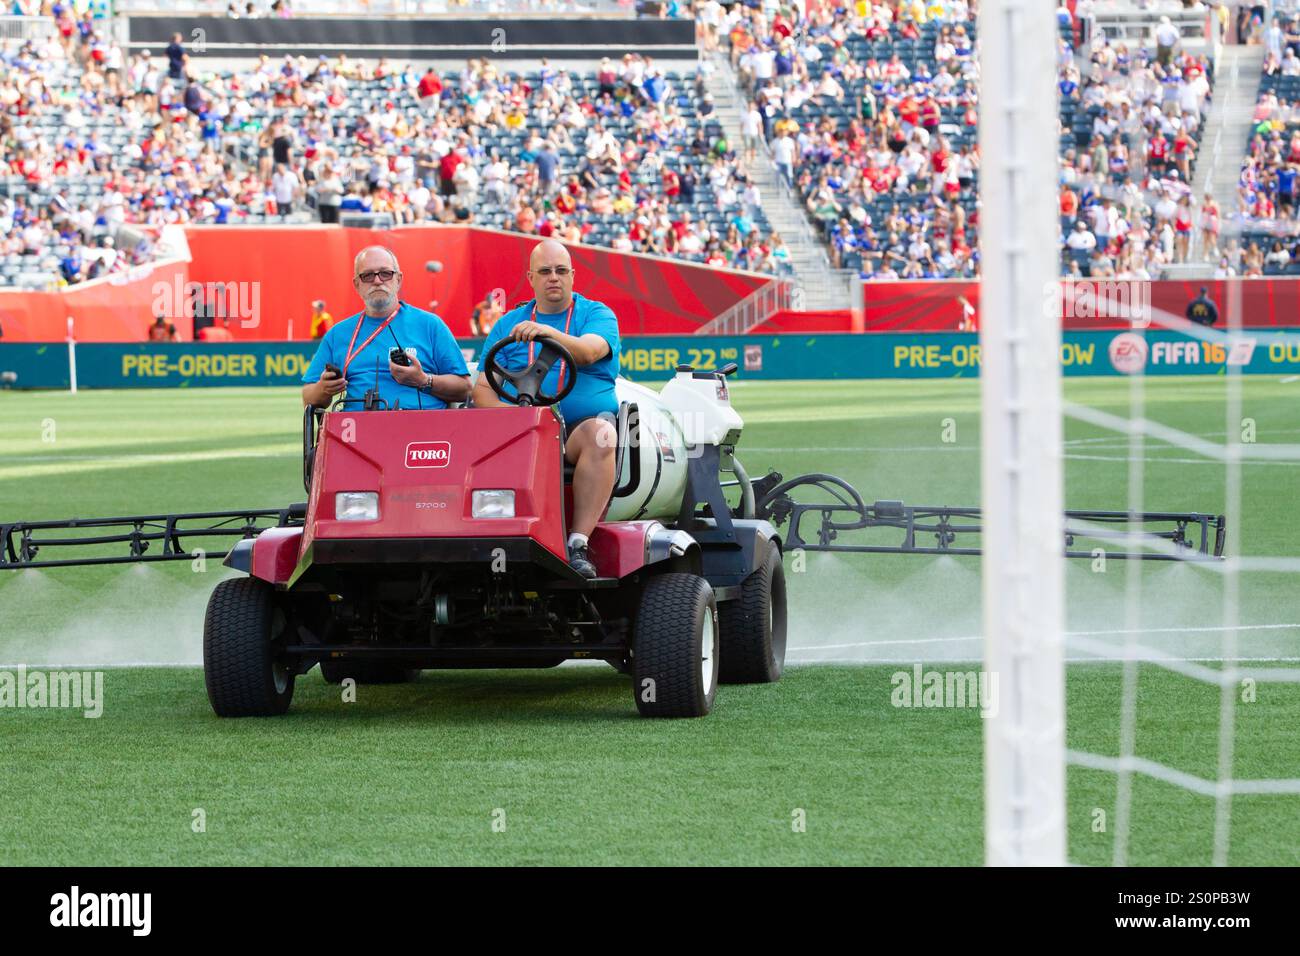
x: 594, y: 391
x: 547, y: 161
x: 412, y: 329
x: 1286, y: 182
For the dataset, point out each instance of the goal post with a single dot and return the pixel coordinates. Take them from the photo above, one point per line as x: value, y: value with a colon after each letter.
x: 1021, y: 467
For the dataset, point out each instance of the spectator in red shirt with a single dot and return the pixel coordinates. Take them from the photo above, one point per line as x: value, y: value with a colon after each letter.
x: 447, y: 170
x: 672, y: 183
x: 1157, y: 152
x: 429, y: 90
x: 525, y: 219
x: 683, y: 225
x: 909, y: 112
x: 217, y: 332
x: 930, y: 115
x: 1069, y: 208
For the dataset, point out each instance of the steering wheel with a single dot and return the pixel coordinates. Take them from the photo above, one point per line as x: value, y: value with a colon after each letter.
x: 528, y: 382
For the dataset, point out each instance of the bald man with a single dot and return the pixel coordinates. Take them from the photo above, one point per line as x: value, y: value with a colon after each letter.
x: 589, y: 330
x: 359, y: 345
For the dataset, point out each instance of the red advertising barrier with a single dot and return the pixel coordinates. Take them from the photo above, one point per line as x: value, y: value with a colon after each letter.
x: 939, y: 306
x: 115, y: 309
x: 265, y: 279
x: 787, y: 322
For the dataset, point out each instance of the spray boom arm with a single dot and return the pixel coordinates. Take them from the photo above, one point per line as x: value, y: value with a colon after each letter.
x: 1149, y: 536
x: 100, y: 540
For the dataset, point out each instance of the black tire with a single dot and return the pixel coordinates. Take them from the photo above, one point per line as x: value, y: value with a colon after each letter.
x: 244, y: 674
x: 367, y: 672
x: 754, y: 626
x: 674, y: 674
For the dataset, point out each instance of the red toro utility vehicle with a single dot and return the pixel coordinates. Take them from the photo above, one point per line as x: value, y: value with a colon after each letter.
x: 436, y: 539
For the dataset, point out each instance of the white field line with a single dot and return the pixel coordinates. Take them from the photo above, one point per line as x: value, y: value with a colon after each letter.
x: 117, y: 665
x: 153, y: 456
x: 1110, y: 440
x: 1154, y: 459
x: 124, y: 665
x: 800, y: 661
x: 1068, y: 634
x: 1158, y: 459
x: 66, y: 464
x: 856, y: 449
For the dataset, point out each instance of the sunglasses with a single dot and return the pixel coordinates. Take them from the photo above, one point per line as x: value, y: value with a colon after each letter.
x: 560, y: 271
x: 383, y: 275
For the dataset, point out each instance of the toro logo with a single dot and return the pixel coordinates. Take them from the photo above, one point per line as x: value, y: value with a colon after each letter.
x: 428, y: 454
x: 1128, y: 353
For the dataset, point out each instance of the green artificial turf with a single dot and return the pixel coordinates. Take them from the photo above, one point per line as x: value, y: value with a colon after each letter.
x: 421, y: 773
x: 413, y: 774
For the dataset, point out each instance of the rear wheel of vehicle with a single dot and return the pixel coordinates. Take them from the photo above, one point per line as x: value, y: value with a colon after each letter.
x: 754, y: 626
x: 675, y: 647
x: 367, y: 672
x: 244, y: 667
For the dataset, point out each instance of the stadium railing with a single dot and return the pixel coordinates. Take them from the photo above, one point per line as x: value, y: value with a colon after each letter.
x: 1129, y: 24
x: 399, y: 8
x: 27, y: 28
x: 753, y: 310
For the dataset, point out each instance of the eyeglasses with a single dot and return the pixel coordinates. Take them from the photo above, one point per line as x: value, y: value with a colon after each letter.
x: 383, y: 275
x: 560, y: 271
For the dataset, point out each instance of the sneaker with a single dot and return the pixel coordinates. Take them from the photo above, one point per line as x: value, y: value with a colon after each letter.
x: 580, y: 561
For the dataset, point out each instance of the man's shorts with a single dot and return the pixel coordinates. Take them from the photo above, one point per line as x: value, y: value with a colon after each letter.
x: 568, y: 427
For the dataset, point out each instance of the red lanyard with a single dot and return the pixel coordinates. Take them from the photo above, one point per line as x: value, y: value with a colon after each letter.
x: 531, y: 345
x: 361, y: 318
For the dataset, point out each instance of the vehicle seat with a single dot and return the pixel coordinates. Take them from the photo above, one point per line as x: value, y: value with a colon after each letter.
x: 627, y: 419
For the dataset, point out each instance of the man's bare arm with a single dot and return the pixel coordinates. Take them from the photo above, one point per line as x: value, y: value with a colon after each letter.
x: 320, y: 393
x: 484, y: 397
x: 450, y: 388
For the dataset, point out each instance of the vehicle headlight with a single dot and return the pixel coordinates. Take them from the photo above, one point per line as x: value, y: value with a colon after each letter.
x: 498, y: 503
x: 356, y: 506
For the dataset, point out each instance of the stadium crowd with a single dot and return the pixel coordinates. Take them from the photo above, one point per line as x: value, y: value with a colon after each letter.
x: 1131, y: 132
x: 868, y: 109
x: 1267, y: 189
x: 626, y: 155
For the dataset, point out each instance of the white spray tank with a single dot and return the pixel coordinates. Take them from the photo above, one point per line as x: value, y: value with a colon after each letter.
x: 694, y: 408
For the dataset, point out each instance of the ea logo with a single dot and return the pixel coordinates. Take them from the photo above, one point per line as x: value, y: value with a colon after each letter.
x: 1128, y: 353
x: 428, y: 454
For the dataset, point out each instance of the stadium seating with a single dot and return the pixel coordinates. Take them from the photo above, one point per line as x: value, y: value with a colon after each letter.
x: 189, y: 177
x: 1266, y: 220
x: 890, y: 197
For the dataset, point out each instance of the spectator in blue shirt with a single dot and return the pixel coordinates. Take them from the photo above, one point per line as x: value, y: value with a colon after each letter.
x: 1286, y: 180
x: 175, y: 57
x: 548, y: 160
x: 653, y: 87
